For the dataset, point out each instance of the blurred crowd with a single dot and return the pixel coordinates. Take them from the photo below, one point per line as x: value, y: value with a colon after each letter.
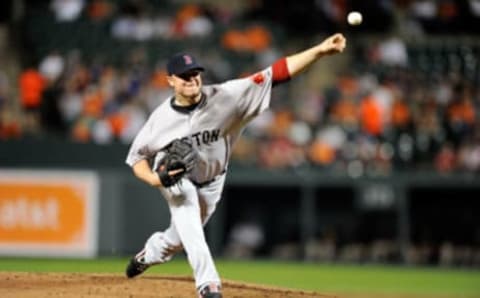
x: 248, y: 243
x: 375, y: 123
x: 248, y: 239
x: 383, y: 112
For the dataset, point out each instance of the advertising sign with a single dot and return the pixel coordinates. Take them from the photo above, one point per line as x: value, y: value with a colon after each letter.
x: 48, y: 213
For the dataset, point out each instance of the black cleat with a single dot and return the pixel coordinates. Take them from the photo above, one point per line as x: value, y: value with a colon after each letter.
x: 136, y: 265
x: 211, y: 291
x: 212, y: 295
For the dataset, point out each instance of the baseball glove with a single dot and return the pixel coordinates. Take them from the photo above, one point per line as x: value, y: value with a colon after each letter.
x: 177, y: 159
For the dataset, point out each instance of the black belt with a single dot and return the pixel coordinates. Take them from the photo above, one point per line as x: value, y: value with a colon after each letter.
x: 205, y: 183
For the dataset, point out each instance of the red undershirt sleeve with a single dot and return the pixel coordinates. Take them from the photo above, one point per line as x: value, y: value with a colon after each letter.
x: 280, y: 72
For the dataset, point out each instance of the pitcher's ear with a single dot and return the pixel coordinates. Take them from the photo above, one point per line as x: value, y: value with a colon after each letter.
x: 170, y: 81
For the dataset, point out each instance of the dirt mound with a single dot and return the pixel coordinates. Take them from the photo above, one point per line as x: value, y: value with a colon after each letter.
x: 68, y: 285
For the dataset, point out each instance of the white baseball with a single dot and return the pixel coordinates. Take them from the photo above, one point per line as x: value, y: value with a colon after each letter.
x: 354, y: 18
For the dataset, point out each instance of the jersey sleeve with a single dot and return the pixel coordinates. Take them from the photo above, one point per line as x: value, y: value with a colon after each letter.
x: 251, y: 94
x: 139, y: 149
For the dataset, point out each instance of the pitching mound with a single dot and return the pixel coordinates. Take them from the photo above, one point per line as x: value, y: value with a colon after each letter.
x: 68, y: 285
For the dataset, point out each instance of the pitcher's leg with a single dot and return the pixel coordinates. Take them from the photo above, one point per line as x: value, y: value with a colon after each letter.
x: 159, y: 249
x: 209, y: 198
x: 185, y: 211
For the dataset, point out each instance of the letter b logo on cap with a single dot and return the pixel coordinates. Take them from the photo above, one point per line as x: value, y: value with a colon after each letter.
x: 188, y: 60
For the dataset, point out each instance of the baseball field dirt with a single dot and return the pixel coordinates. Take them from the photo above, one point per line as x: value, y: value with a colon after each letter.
x: 87, y: 285
x: 69, y: 285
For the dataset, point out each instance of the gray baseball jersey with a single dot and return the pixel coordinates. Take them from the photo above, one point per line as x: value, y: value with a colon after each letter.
x: 214, y: 125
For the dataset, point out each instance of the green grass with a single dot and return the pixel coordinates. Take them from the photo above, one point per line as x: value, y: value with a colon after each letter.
x: 357, y: 279
x: 315, y: 277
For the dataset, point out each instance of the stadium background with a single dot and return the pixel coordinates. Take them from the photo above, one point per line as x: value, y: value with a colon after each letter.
x: 371, y: 157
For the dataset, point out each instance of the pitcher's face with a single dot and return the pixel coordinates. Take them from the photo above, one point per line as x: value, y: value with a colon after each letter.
x: 186, y: 85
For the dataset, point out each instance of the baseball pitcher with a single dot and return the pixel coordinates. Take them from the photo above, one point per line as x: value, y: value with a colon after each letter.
x: 184, y: 148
